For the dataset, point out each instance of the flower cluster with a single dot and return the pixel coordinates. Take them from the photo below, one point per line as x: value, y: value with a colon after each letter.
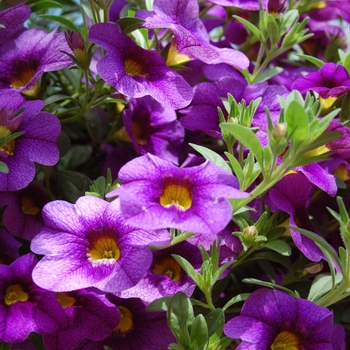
x: 174, y: 174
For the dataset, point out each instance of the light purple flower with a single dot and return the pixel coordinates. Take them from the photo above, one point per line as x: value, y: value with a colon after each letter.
x: 12, y: 19
x: 153, y: 128
x: 38, y: 143
x: 271, y: 319
x: 191, y: 37
x: 27, y: 58
x: 89, y: 316
x: 136, y: 72
x: 24, y: 307
x: 250, y: 5
x: 165, y: 276
x: 90, y: 245
x: 157, y: 194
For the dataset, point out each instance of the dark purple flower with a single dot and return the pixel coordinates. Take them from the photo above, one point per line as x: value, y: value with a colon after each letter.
x: 271, y: 319
x: 24, y: 307
x: 157, y: 194
x: 8, y: 248
x: 33, y: 53
x: 136, y: 72
x: 165, y: 276
x: 330, y: 82
x: 250, y: 5
x: 327, y: 10
x: 22, y: 216
x: 341, y: 146
x: 191, y: 37
x: 89, y: 316
x: 12, y: 19
x: 90, y: 245
x: 153, y: 128
x: 38, y: 143
x: 138, y: 329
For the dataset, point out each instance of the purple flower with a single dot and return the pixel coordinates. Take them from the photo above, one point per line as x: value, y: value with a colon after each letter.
x: 157, y: 194
x: 331, y: 81
x: 38, y: 143
x: 250, y: 5
x: 136, y: 72
x: 24, y: 307
x: 89, y: 316
x: 33, y: 53
x: 22, y: 216
x: 191, y: 38
x: 8, y: 248
x: 12, y: 19
x: 153, y: 128
x: 89, y: 245
x: 138, y: 329
x: 271, y: 319
x: 166, y: 276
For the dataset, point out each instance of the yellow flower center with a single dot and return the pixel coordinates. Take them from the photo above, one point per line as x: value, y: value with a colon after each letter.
x: 170, y: 267
x: 9, y: 147
x: 104, y: 248
x: 286, y: 341
x: 134, y: 68
x: 15, y: 293
x: 29, y: 206
x: 139, y: 133
x: 342, y: 172
x: 174, y: 57
x: 327, y: 103
x: 4, y: 131
x: 126, y: 323
x: 65, y: 299
x: 176, y: 192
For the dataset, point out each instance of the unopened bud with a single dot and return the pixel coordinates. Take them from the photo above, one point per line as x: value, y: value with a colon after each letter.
x: 313, y: 268
x: 76, y: 42
x: 275, y: 6
x: 233, y: 120
x: 279, y: 131
x: 249, y: 233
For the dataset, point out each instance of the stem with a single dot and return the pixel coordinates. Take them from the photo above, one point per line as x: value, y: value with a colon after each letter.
x: 334, y: 295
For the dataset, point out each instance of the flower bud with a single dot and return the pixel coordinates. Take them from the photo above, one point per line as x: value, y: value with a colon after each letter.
x: 76, y: 42
x: 249, y: 234
x: 275, y: 6
x: 232, y: 120
x: 313, y: 268
x: 279, y: 131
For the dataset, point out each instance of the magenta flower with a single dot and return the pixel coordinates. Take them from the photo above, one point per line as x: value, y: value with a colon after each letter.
x: 271, y: 319
x: 38, y: 143
x: 33, y: 53
x: 156, y: 194
x: 89, y: 245
x: 165, y: 276
x: 136, y: 72
x: 153, y: 128
x: 250, y: 5
x: 191, y: 37
x: 12, y: 19
x: 89, y: 316
x: 24, y: 307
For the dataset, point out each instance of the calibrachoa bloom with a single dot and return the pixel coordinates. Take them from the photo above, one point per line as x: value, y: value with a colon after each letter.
x: 38, y: 143
x: 271, y: 319
x: 25, y: 307
x: 157, y: 194
x: 90, y: 245
x: 136, y: 72
x: 33, y: 53
x: 8, y: 247
x: 89, y: 316
x: 153, y: 128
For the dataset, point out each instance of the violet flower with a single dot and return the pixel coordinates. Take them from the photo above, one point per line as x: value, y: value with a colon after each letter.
x: 166, y: 277
x: 153, y: 128
x: 191, y: 37
x: 33, y: 53
x: 90, y: 245
x: 249, y: 5
x: 157, y: 194
x: 136, y: 72
x: 12, y: 19
x: 8, y: 247
x: 38, y: 143
x: 24, y: 307
x: 271, y: 319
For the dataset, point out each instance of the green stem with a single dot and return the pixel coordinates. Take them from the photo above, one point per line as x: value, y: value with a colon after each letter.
x: 334, y: 296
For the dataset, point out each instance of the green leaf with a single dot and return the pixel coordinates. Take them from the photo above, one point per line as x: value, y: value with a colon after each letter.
x: 62, y: 20
x: 321, y: 285
x: 323, y: 139
x: 247, y: 138
x: 4, y: 168
x: 287, y: 20
x: 72, y: 177
x: 237, y: 299
x: 279, y: 246
x: 318, y: 63
x: 250, y: 26
x: 199, y: 331
x: 212, y: 156
x: 236, y: 167
x: 175, y: 347
x: 298, y: 123
x: 268, y: 284
x: 161, y: 304
x: 215, y: 321
x: 186, y: 266
x: 347, y: 63
x: 46, y: 4
x: 128, y: 24
x: 5, y: 346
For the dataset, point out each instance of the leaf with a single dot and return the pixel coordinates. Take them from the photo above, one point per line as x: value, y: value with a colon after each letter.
x: 250, y: 26
x: 128, y: 24
x: 321, y: 285
x: 161, y: 304
x: 247, y: 138
x: 323, y: 139
x: 46, y: 4
x: 215, y: 322
x: 268, y: 284
x: 279, y: 246
x: 298, y: 123
x: 62, y: 20
x: 212, y: 156
x: 318, y: 63
x: 287, y: 20
x: 4, y: 168
x: 199, y: 331
x: 236, y: 167
x: 237, y: 299
x: 186, y: 266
